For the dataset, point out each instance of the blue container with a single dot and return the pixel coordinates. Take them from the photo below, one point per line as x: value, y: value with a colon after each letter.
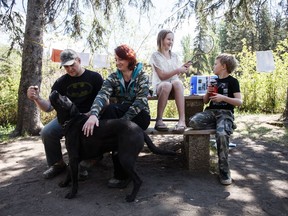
x: 199, y: 84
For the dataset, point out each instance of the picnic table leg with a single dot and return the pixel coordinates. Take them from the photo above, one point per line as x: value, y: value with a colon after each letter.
x: 197, y: 152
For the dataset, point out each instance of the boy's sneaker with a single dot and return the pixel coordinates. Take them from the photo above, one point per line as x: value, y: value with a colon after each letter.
x: 54, y: 170
x: 225, y: 179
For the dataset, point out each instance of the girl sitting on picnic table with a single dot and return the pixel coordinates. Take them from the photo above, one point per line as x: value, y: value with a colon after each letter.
x: 166, y: 67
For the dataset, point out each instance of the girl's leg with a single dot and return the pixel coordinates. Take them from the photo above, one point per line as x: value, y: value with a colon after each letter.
x: 178, y: 90
x: 163, y: 92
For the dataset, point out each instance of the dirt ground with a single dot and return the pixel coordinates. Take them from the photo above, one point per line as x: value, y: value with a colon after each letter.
x: 259, y: 167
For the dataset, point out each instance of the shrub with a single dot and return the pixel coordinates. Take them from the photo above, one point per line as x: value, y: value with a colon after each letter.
x: 9, y: 83
x: 263, y: 92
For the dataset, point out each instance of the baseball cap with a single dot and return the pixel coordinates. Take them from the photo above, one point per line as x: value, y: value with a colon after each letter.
x: 68, y: 57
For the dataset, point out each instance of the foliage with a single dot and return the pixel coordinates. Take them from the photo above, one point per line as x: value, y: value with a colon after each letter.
x: 5, y: 132
x: 239, y: 13
x: 263, y: 92
x: 265, y: 30
x: 9, y: 82
x: 68, y: 17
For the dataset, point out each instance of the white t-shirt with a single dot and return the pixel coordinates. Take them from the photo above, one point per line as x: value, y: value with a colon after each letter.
x: 166, y: 65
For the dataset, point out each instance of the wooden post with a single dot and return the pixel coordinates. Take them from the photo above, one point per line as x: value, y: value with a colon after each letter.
x: 196, y: 149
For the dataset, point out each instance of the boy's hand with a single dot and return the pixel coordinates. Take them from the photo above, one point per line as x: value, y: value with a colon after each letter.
x: 217, y: 97
x: 210, y: 90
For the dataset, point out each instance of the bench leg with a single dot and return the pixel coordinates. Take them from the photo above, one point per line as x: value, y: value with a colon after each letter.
x: 197, y: 152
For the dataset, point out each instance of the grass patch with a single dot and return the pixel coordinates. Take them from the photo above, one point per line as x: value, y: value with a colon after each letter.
x: 5, y: 132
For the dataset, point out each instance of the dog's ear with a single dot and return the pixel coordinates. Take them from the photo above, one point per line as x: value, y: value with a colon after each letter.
x: 65, y: 115
x: 53, y: 97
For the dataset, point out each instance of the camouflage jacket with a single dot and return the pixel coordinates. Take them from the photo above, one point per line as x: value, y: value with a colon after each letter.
x: 135, y: 94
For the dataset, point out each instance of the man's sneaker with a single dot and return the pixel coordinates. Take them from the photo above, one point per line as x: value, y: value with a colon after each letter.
x: 225, y: 179
x: 54, y: 170
x: 116, y: 183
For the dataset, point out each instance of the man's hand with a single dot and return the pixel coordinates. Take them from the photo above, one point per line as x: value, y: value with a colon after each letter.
x: 33, y: 93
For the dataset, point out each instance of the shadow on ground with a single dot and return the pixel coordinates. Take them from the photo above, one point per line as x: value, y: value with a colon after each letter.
x: 258, y: 165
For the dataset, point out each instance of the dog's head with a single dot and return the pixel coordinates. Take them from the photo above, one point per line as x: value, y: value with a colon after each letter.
x: 64, y: 107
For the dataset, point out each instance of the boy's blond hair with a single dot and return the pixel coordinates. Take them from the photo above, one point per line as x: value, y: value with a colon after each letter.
x: 229, y: 60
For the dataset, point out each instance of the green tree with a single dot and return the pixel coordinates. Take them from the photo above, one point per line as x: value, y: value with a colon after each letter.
x: 28, y: 116
x: 265, y: 29
x: 186, y: 43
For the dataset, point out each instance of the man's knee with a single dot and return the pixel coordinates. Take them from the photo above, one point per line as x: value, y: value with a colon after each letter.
x: 51, y: 130
x: 45, y: 132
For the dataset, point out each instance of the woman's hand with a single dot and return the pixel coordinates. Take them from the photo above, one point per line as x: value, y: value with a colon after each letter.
x: 184, y: 68
x: 88, y: 127
x: 187, y: 64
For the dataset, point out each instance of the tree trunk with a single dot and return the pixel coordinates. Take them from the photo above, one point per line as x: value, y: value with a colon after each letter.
x: 28, y: 115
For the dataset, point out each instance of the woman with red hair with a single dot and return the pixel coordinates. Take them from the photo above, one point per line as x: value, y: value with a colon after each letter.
x: 130, y: 86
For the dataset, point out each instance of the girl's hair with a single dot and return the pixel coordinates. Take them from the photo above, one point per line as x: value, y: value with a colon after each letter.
x: 126, y: 53
x: 161, y: 36
x: 229, y: 60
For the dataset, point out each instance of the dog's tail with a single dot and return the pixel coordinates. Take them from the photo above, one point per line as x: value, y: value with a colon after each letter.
x: 155, y: 149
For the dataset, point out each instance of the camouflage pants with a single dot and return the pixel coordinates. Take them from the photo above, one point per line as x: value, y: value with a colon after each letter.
x: 222, y: 121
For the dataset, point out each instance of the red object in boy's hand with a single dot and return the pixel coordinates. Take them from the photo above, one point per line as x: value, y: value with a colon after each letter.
x: 213, y: 88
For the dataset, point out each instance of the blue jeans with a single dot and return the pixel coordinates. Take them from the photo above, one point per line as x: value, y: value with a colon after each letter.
x: 51, y: 135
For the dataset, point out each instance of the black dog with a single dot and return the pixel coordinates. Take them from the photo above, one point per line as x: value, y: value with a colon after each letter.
x: 125, y: 137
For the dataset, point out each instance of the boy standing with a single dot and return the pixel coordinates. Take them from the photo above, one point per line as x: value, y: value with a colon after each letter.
x: 219, y: 113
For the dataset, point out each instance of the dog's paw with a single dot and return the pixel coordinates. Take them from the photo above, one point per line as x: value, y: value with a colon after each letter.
x: 70, y: 195
x: 130, y: 198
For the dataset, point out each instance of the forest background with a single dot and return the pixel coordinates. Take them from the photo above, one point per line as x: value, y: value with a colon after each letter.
x: 264, y: 28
